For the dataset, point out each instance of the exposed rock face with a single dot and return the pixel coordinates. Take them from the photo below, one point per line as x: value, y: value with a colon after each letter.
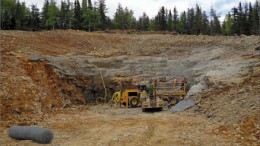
x: 44, y: 71
x: 202, y: 69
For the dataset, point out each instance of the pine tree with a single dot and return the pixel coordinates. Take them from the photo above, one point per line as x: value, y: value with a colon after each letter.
x: 143, y: 22
x: 251, y: 19
x: 128, y: 18
x: 77, y: 15
x: 133, y: 23
x: 214, y: 22
x: 69, y: 16
x: 183, y: 28
x: 7, y: 14
x: 228, y: 24
x: 44, y: 14
x: 35, y: 21
x: 20, y: 15
x: 90, y: 5
x: 109, y: 23
x: 53, y: 13
x: 190, y: 20
x: 103, y: 17
x: 198, y: 21
x: 170, y: 21
x: 96, y: 17
x: 119, y: 17
x: 205, y: 23
x: 84, y: 5
x: 175, y: 19
x: 256, y: 24
x: 235, y: 27
x: 146, y: 22
x: 63, y: 15
x: 241, y: 19
x: 6, y: 21
x: 86, y: 15
x: 246, y: 20
x: 152, y: 24
x: 162, y: 19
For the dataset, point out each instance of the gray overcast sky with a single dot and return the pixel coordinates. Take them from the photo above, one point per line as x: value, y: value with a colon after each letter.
x: 151, y: 7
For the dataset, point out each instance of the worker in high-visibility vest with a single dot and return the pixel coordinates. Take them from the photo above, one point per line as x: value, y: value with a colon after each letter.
x: 175, y: 82
x: 184, y: 82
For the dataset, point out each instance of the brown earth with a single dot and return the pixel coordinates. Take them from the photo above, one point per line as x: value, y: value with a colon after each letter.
x: 34, y: 91
x: 101, y: 125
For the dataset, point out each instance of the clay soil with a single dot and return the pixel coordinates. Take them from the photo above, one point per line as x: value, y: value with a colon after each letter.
x: 102, y: 125
x: 30, y: 93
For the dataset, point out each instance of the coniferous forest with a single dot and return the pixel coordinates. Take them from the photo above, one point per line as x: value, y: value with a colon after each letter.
x: 91, y: 16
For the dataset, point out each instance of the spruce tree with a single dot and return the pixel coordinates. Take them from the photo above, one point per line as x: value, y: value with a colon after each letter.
x: 102, y: 11
x: 251, y: 19
x: 63, y: 15
x: 183, y: 23
x: 96, y: 23
x: 77, y: 15
x: 228, y: 24
x: 170, y: 21
x: 53, y: 14
x: 205, y: 23
x: 214, y: 22
x: 245, y: 19
x: 119, y: 17
x: 20, y: 15
x: 198, y: 26
x: 7, y: 14
x: 190, y: 20
x: 35, y: 21
x: 90, y: 6
x: 175, y: 19
x: 235, y: 27
x: 162, y: 19
x: 44, y: 14
x: 143, y: 22
x: 128, y: 18
x: 256, y: 24
x: 241, y: 19
x: 87, y: 13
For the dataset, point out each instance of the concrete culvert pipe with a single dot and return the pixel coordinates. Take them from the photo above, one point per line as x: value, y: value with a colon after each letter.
x: 36, y: 134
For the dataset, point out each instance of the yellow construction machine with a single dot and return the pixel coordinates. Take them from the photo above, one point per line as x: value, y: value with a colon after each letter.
x: 171, y: 94
x: 128, y: 97
x: 142, y: 95
x: 150, y: 100
x: 151, y: 96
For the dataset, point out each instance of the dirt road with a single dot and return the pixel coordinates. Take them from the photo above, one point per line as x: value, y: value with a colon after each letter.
x: 103, y: 126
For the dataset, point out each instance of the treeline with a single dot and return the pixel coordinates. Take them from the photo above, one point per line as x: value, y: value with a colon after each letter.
x: 91, y: 16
